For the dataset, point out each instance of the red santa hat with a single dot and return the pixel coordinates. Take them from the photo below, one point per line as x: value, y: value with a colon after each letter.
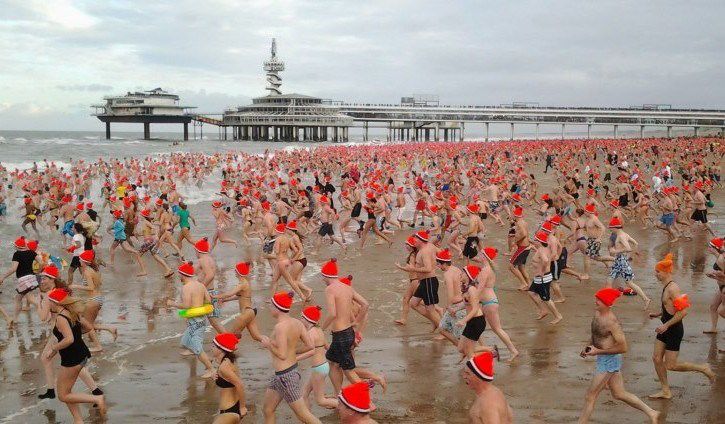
x: 312, y: 314
x: 186, y: 269
x: 329, y: 269
x: 226, y: 342
x: 242, y: 268
x: 608, y: 295
x: 356, y: 397
x: 482, y: 366
x: 444, y: 256
x: 490, y: 253
x: 283, y: 301
x: 472, y: 271
x: 202, y: 246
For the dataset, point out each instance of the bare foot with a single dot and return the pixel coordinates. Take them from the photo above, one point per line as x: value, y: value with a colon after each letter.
x: 95, y: 349
x: 186, y: 352
x: 709, y: 331
x: 514, y: 354
x: 397, y: 321
x: 541, y: 316
x: 169, y: 274
x: 114, y: 332
x: 523, y: 288
x: 584, y: 277
x: 141, y: 274
x: 439, y: 337
x: 556, y: 320
x: 207, y: 375
x: 661, y: 395
x: 11, y: 323
x: 562, y: 300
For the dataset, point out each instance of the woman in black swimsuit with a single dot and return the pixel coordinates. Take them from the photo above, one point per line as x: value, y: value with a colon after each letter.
x: 72, y: 350
x: 231, y: 389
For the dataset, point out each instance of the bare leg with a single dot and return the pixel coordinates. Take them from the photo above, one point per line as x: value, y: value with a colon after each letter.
x: 616, y: 387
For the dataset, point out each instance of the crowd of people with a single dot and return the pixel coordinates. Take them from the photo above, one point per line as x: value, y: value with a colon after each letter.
x: 317, y: 204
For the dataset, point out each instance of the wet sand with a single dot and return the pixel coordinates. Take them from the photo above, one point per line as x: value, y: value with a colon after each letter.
x: 147, y: 381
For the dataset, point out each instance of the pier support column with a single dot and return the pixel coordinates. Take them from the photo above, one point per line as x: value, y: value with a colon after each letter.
x: 435, y: 133
x: 616, y: 131
x: 486, y: 131
x: 589, y: 131
x: 563, y: 127
x: 445, y: 134
x: 146, y: 131
x: 108, y: 130
x: 365, y: 136
x: 537, y: 132
x: 669, y: 132
x: 697, y: 131
x: 641, y: 131
x: 512, y: 131
x: 390, y: 131
x: 186, y: 131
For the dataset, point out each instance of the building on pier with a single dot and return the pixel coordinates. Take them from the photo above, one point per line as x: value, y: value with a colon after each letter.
x: 147, y: 107
x: 286, y: 117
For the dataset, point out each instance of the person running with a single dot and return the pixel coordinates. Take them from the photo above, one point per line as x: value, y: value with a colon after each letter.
x: 620, y: 248
x: 73, y: 353
x: 94, y: 300
x: 519, y: 247
x: 232, y: 398
x: 539, y: 290
x: 608, y: 345
x: 316, y: 383
x: 412, y: 285
x: 424, y: 268
x: 474, y: 323
x: 717, y: 305
x: 118, y: 229
x: 340, y: 300
x: 193, y: 295
x: 207, y: 277
x: 455, y: 308
x: 489, y: 300
x: 50, y: 279
x: 670, y: 333
x: 490, y: 405
x: 22, y: 265
x: 184, y: 226
x: 282, y: 344
x: 247, y: 317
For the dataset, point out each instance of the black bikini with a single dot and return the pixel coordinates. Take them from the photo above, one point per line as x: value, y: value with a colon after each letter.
x: 224, y: 384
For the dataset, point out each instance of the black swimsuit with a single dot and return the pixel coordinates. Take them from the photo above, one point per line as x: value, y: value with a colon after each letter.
x: 77, y: 353
x: 673, y: 336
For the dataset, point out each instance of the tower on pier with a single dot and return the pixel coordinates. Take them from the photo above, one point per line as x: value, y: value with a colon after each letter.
x: 273, y: 67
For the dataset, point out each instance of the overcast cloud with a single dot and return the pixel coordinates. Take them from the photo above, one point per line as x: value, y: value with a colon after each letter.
x: 57, y: 57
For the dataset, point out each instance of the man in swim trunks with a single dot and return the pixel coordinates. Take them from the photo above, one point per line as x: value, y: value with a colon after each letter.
x: 475, y: 226
x: 424, y: 268
x: 671, y: 332
x: 667, y: 220
x: 207, y: 277
x: 282, y: 344
x: 623, y: 245
x: 539, y: 290
x: 193, y: 295
x: 699, y: 202
x: 520, y: 247
x: 608, y: 345
x: 455, y: 309
x: 594, y: 231
x: 339, y: 299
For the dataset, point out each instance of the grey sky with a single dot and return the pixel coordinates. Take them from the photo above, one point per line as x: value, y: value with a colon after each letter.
x: 57, y: 57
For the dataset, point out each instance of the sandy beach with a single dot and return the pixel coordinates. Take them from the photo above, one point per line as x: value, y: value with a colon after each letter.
x: 147, y: 381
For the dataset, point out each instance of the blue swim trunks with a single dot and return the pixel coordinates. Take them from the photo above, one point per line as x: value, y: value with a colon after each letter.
x: 668, y: 219
x: 609, y: 363
x: 193, y: 337
x: 68, y: 228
